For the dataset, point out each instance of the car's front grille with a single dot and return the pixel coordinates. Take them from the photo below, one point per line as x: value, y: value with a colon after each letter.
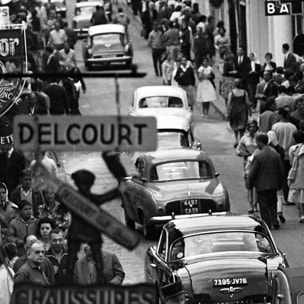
x: 108, y: 55
x: 190, y: 206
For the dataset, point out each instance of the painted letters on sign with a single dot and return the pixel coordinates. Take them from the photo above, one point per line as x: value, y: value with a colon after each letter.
x: 109, y: 294
x: 12, y: 60
x: 275, y: 8
x: 83, y: 133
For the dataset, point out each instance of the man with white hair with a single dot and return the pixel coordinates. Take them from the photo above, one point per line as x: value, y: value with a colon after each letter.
x: 35, y: 269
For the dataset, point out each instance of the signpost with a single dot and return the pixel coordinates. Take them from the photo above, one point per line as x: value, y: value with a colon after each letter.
x: 85, y: 133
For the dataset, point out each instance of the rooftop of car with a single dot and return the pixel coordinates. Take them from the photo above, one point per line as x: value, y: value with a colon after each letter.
x: 160, y: 90
x: 205, y: 223
x: 106, y: 28
x: 179, y: 154
x: 89, y: 3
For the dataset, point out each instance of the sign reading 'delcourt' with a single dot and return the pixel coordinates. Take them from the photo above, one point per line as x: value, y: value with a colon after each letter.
x: 83, y: 133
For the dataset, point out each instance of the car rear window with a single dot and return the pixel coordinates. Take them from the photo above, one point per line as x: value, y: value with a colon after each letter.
x: 167, y: 140
x: 108, y: 39
x: 181, y: 170
x: 220, y: 242
x: 161, y: 102
x: 89, y: 10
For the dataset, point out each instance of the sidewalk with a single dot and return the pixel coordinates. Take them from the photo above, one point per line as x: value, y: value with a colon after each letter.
x: 218, y: 106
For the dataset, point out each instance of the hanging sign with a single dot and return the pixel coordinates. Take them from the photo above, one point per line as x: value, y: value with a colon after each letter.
x: 275, y: 8
x: 4, y: 15
x: 13, y: 59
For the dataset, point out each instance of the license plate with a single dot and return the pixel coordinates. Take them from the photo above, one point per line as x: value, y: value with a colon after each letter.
x: 190, y: 206
x: 229, y: 282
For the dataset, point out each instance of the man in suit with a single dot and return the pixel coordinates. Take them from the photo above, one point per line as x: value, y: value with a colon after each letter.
x: 148, y: 17
x: 85, y: 271
x: 290, y: 61
x: 12, y: 163
x: 243, y: 66
x: 267, y: 176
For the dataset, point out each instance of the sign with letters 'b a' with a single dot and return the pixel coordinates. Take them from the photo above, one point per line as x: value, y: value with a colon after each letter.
x: 276, y: 8
x: 85, y: 133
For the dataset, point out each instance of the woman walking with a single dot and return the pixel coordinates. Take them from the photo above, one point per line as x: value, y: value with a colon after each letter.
x: 296, y: 174
x: 206, y: 88
x: 238, y: 109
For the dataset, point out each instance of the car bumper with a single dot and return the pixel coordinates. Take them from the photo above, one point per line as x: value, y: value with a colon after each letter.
x: 109, y: 59
x: 81, y: 31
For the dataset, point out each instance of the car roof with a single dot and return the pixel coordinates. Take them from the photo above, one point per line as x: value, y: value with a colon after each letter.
x: 160, y: 156
x: 89, y: 3
x: 106, y: 28
x: 172, y: 122
x: 205, y: 223
x: 160, y: 90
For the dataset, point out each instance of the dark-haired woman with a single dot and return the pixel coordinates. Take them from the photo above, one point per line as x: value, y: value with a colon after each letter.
x: 269, y: 65
x: 44, y: 226
x: 238, y: 110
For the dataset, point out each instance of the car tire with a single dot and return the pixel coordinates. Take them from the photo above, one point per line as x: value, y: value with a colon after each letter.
x: 148, y: 230
x: 129, y: 222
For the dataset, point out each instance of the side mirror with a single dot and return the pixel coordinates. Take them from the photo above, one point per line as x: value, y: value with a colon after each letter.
x: 144, y: 179
x: 196, y: 145
x: 216, y: 174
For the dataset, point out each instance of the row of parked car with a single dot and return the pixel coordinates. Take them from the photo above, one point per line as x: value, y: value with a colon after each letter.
x: 218, y: 256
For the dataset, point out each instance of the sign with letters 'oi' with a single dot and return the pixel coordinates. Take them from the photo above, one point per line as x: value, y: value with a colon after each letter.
x: 92, y: 294
x: 275, y: 8
x: 13, y: 59
x: 85, y: 133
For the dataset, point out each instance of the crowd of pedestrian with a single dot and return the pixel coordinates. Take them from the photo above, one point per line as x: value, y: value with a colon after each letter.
x: 187, y: 47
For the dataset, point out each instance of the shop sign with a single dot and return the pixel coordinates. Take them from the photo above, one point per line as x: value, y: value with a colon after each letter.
x: 4, y: 15
x: 275, y: 8
x: 85, y: 133
x: 92, y: 294
x: 13, y: 59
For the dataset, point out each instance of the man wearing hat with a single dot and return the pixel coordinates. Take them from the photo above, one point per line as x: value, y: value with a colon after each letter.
x: 173, y: 293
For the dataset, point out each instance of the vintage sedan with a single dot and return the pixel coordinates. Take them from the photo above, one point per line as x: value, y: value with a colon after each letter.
x: 107, y: 44
x: 219, y: 258
x: 160, y: 100
x: 82, y: 16
x: 175, y: 132
x: 180, y: 181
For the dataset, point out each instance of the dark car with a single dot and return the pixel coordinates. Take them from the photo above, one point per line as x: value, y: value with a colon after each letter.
x: 219, y: 258
x: 180, y: 181
x: 107, y: 44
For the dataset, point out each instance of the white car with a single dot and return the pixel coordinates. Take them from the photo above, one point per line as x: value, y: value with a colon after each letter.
x: 82, y: 16
x: 161, y: 101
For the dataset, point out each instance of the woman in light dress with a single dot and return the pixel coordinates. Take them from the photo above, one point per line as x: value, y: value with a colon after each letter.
x: 205, y: 89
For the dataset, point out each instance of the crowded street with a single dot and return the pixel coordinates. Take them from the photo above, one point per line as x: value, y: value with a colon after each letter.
x: 212, y: 127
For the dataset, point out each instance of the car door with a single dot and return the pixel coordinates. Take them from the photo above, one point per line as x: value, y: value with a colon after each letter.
x: 157, y: 269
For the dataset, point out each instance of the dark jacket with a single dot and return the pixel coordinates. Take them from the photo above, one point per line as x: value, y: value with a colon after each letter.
x: 30, y: 273
x: 266, y: 172
x: 60, y: 266
x: 185, y: 78
x: 271, y: 89
x: 10, y: 169
x: 58, y: 98
x: 254, y: 76
x: 290, y: 65
x: 244, y: 68
x: 37, y: 199
x: 113, y: 272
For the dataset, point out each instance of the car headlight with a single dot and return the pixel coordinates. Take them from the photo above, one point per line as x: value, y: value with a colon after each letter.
x: 188, y: 298
x: 127, y: 48
x: 90, y: 51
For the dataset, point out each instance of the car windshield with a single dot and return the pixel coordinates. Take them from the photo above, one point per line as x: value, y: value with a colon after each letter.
x: 201, y: 244
x: 161, y: 102
x: 181, y: 170
x: 108, y: 39
x: 171, y: 140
